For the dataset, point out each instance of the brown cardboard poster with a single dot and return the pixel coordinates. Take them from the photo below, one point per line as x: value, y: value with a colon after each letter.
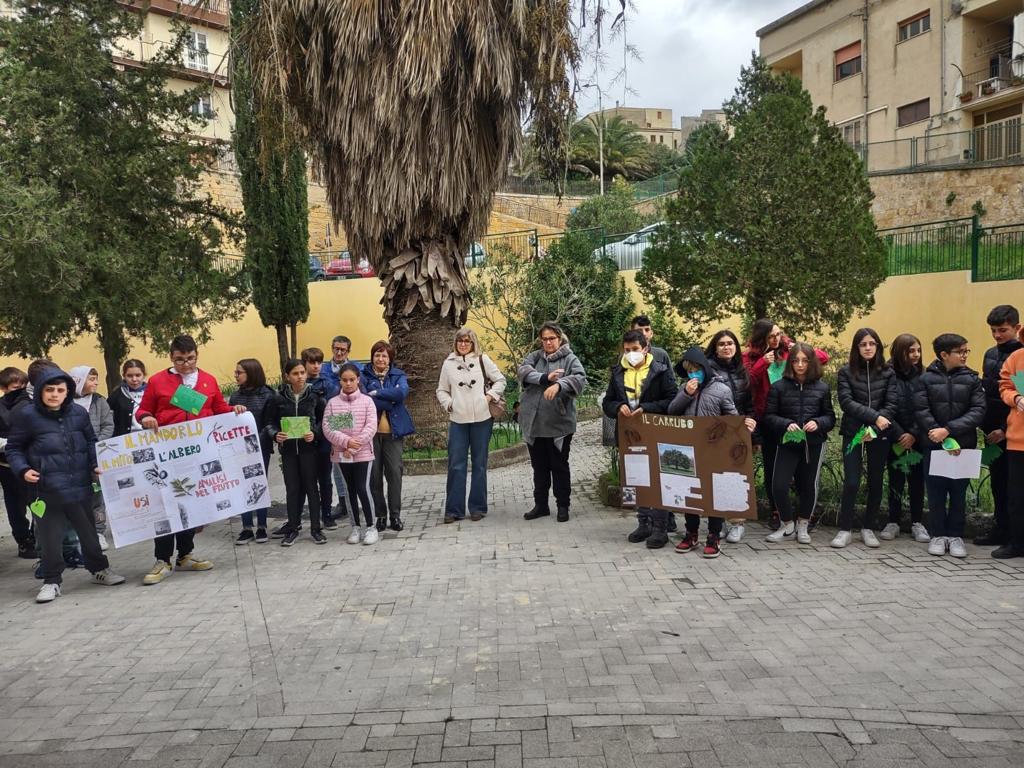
x: 698, y: 464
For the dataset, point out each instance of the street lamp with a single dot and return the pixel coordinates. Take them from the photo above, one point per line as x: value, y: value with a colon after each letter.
x: 600, y: 132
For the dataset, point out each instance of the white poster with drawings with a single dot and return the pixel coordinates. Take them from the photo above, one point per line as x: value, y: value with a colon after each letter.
x: 182, y: 476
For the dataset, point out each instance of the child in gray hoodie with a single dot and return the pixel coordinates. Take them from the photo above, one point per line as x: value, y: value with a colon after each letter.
x: 87, y: 379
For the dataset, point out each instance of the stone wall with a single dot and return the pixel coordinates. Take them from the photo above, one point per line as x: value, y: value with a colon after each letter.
x: 920, y: 196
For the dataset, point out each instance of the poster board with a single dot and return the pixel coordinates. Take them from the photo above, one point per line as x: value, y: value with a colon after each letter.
x: 162, y: 481
x: 698, y: 464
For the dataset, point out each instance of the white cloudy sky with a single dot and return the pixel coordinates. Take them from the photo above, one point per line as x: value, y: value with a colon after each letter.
x: 692, y: 52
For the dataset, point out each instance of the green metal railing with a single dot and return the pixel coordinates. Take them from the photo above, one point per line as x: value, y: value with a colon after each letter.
x: 935, y: 246
x: 643, y: 190
x: 999, y: 253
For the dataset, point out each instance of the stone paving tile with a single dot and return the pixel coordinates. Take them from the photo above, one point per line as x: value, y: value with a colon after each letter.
x: 508, y: 644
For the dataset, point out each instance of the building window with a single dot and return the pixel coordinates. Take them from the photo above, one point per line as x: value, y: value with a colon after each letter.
x: 851, y: 133
x: 659, y: 115
x: 203, y: 107
x: 848, y: 61
x: 196, y: 52
x: 915, y: 25
x: 912, y: 113
x: 661, y: 139
x: 653, y: 139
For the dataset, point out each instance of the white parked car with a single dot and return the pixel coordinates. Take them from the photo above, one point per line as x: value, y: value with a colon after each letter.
x: 629, y: 253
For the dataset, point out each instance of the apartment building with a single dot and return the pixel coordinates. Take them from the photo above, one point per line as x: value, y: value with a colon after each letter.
x: 910, y: 82
x: 690, y: 123
x: 655, y: 125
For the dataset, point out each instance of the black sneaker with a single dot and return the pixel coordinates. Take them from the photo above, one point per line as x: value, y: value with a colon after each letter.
x: 396, y: 524
x: 712, y: 548
x: 534, y: 513
x: 318, y: 537
x: 775, y: 522
x: 27, y: 550
x: 1007, y: 551
x: 289, y: 539
x: 563, y: 515
x: 381, y: 524
x: 281, y: 531
x: 329, y: 523
x: 244, y: 537
x: 993, y: 538
x: 261, y: 536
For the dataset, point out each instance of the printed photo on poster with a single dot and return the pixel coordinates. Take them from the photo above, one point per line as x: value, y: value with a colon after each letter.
x: 628, y: 496
x: 677, y: 460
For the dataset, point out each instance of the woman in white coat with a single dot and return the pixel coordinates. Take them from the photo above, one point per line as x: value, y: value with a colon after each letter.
x: 470, y: 382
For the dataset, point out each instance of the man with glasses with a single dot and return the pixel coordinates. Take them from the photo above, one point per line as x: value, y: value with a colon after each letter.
x: 157, y: 410
x: 949, y: 403
x: 341, y: 346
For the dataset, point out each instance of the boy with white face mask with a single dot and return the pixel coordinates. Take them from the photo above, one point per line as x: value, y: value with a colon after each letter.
x: 640, y: 384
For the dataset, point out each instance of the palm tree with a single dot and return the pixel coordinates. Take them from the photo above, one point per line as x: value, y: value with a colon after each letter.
x: 412, y: 109
x: 625, y: 151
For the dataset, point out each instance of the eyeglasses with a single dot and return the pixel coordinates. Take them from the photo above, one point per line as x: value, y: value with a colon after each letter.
x: 339, y: 349
x: 962, y: 352
x: 239, y: 373
x: 463, y: 341
x: 548, y: 338
x: 184, y: 360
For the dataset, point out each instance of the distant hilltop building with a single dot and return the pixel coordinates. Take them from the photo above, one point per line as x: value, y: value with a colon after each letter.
x: 654, y: 124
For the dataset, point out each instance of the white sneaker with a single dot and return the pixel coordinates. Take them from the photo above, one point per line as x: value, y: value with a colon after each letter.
x: 103, y: 542
x: 869, y: 538
x: 48, y: 593
x: 784, y: 533
x: 841, y: 540
x: 890, y: 532
x: 803, y: 536
x: 735, y: 535
x: 107, y: 578
x: 937, y: 546
x: 920, y: 533
x: 371, y: 536
x: 355, y: 536
x: 957, y: 548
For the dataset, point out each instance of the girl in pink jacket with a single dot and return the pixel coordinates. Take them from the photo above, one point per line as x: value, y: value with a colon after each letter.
x: 350, y: 422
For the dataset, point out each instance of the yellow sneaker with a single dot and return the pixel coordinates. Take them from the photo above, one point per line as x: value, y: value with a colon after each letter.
x: 160, y: 572
x: 189, y: 563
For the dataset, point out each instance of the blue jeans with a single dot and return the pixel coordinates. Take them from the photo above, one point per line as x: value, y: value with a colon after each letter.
x: 261, y: 514
x: 464, y: 439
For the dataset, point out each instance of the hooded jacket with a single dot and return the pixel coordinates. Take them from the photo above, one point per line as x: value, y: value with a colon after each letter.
x: 864, y: 397
x: 713, y: 397
x: 124, y: 407
x: 953, y: 400
x: 100, y: 414
x: 539, y: 417
x: 260, y: 402
x: 905, y: 416
x: 15, y: 398
x: 364, y: 425
x: 309, y: 404
x: 656, y: 391
x: 996, y: 412
x: 388, y: 393
x: 735, y: 374
x: 60, y: 445
x: 790, y: 402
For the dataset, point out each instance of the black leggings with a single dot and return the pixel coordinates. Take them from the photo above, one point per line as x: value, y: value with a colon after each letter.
x: 877, y: 452
x: 714, y: 524
x: 769, y: 448
x: 300, y: 484
x: 914, y: 483
x: 357, y: 481
x: 802, y: 462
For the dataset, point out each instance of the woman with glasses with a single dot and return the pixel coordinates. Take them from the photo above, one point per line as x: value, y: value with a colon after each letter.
x: 469, y: 384
x: 256, y: 396
x: 551, y: 378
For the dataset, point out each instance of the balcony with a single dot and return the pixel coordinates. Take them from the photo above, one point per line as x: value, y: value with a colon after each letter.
x: 1002, y: 80
x: 208, y: 13
x: 198, y: 64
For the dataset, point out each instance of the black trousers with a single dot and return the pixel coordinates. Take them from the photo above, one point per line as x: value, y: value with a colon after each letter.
x: 999, y: 477
x: 802, y: 463
x: 1015, y: 498
x: 550, y: 468
x: 301, y: 482
x: 50, y: 530
x: 877, y: 452
x: 947, y: 503
x: 913, y: 482
x: 714, y: 523
x: 16, y: 503
x: 325, y: 482
x: 357, y: 485
x: 769, y: 449
x: 163, y: 546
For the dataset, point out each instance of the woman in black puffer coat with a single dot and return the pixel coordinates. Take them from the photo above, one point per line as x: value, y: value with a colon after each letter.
x: 257, y: 398
x: 867, y: 396
x: 905, y: 356
x: 726, y: 362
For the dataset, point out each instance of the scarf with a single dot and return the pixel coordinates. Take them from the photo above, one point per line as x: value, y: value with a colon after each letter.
x: 135, y: 396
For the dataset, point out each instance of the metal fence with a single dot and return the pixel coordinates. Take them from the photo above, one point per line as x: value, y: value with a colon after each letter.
x: 642, y: 190
x: 937, y: 246
x: 999, y: 253
x: 996, y: 142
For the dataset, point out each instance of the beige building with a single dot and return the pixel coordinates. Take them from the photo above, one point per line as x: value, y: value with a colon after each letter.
x: 910, y: 82
x: 655, y: 125
x: 689, y: 123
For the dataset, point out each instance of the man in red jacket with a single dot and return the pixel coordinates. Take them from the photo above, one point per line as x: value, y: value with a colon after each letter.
x: 156, y: 410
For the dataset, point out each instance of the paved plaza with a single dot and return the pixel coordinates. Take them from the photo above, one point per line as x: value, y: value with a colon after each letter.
x: 505, y: 643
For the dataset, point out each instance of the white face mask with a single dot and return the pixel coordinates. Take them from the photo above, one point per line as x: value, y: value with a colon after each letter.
x: 635, y: 357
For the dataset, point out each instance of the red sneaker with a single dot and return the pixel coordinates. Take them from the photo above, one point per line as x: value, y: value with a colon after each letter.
x: 712, y: 547
x: 689, y: 542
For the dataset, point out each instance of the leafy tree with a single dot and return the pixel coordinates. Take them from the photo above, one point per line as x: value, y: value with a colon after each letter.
x: 625, y: 151
x: 615, y: 211
x: 273, y: 181
x: 583, y: 293
x: 771, y: 220
x: 125, y: 248
x: 662, y: 159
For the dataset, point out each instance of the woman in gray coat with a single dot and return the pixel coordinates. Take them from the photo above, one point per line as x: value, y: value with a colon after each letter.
x: 551, y: 378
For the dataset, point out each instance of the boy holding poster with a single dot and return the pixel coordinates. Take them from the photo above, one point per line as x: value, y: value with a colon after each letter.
x: 949, y: 402
x: 179, y: 393
x: 52, y: 448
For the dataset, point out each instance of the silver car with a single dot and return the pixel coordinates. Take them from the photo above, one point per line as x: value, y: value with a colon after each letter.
x: 629, y: 253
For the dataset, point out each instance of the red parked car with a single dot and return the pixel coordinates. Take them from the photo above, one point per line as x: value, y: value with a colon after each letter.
x: 340, y: 267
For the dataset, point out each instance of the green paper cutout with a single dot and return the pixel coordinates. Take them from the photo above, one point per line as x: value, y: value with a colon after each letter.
x: 949, y: 444
x: 295, y: 427
x: 38, y: 507
x: 775, y: 370
x: 859, y: 438
x: 898, y: 449
x: 990, y: 453
x: 909, y: 459
x: 188, y: 400
x: 339, y: 421
x: 794, y: 436
x: 1018, y: 381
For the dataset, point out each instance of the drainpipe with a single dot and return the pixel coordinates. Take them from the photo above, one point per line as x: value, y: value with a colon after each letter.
x: 865, y: 64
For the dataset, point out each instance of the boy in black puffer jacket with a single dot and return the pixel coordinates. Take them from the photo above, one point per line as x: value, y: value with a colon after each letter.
x: 14, y: 383
x: 949, y: 401
x: 52, y: 448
